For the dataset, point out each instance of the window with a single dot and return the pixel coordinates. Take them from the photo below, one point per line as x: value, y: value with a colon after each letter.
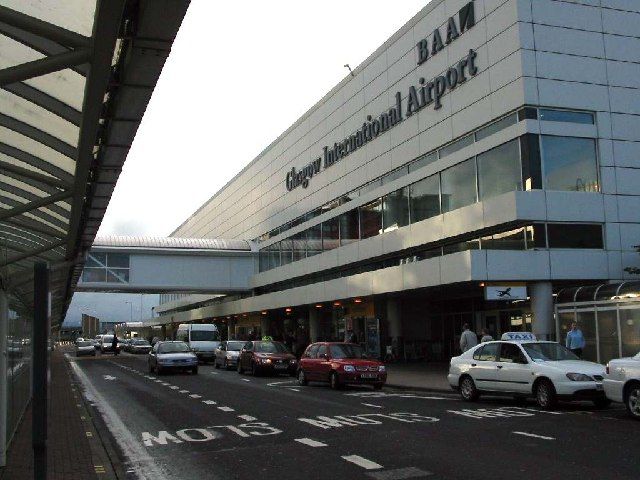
x: 330, y: 234
x: 395, y: 209
x: 94, y: 275
x: 349, y: 227
x: 263, y: 260
x: 106, y: 267
x: 566, y: 116
x: 536, y: 236
x: 322, y: 350
x: 511, y: 240
x: 531, y: 163
x: 286, y: 251
x: 96, y: 260
x: 496, y: 127
x: 455, y: 146
x: 394, y: 175
x: 461, y: 247
x: 312, y: 351
x: 314, y: 240
x: 423, y: 161
x: 499, y: 170
x: 299, y: 246
x: 487, y: 353
x: 371, y: 219
x: 458, y: 185
x: 563, y: 235
x: 274, y: 255
x: 511, y: 353
x: 570, y: 164
x: 425, y: 198
x: 528, y: 113
x: 369, y: 187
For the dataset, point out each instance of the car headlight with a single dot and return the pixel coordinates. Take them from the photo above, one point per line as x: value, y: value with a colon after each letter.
x: 579, y: 377
x: 382, y: 368
x: 229, y: 357
x: 349, y: 368
x: 293, y: 360
x: 266, y: 360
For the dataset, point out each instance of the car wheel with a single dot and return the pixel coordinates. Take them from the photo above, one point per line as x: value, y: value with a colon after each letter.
x: 545, y: 395
x: 602, y: 403
x: 194, y: 370
x: 254, y: 370
x: 632, y: 400
x: 240, y: 371
x: 302, y: 378
x: 468, y: 389
x: 334, y: 381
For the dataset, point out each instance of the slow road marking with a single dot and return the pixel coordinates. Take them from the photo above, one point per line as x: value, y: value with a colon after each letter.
x: 247, y: 418
x: 310, y: 442
x: 209, y: 402
x: 195, y: 395
x: 362, y: 462
x: 533, y: 435
x: 226, y: 409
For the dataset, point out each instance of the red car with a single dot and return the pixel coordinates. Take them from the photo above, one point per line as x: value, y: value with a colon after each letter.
x: 266, y: 357
x: 340, y: 364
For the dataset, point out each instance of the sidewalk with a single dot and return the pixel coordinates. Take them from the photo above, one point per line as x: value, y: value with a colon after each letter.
x: 75, y: 450
x: 419, y: 376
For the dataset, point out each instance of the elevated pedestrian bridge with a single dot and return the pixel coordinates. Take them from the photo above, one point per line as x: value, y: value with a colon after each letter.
x: 162, y: 265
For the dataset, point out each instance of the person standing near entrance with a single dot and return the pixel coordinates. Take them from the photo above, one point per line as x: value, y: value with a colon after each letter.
x: 486, y: 337
x: 575, y: 340
x: 468, y: 339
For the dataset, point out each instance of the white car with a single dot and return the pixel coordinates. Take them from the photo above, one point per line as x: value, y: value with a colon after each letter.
x: 521, y: 366
x: 622, y: 383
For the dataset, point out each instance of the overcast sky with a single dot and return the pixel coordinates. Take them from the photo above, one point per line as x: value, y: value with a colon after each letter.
x: 233, y: 64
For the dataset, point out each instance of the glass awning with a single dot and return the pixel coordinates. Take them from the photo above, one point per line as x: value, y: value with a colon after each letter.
x: 69, y: 111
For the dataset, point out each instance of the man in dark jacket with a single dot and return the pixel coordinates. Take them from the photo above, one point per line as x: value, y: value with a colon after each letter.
x: 114, y: 344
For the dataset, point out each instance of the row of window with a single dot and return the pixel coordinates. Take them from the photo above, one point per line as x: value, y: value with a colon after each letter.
x: 106, y: 267
x: 529, y: 162
x: 530, y: 237
x: 527, y: 113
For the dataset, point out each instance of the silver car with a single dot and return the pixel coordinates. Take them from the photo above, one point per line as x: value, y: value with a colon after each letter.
x: 165, y: 356
x: 227, y: 354
x: 85, y: 347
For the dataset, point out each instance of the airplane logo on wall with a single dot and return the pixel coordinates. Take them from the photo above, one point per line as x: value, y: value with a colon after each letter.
x: 505, y: 292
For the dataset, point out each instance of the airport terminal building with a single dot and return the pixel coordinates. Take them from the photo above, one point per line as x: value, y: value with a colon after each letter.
x: 482, y: 159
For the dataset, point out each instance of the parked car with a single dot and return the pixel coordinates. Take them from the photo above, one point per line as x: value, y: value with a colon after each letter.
x: 85, y: 347
x: 266, y: 356
x: 227, y: 354
x: 202, y: 338
x: 340, y: 364
x: 622, y: 383
x: 106, y: 344
x: 521, y: 366
x: 172, y: 355
x: 138, y: 345
x: 96, y: 341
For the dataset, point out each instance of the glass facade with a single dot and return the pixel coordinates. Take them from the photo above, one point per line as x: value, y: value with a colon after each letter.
x: 499, y: 170
x: 569, y: 164
x: 395, y: 209
x: 425, y: 198
x: 106, y: 267
x: 458, y: 186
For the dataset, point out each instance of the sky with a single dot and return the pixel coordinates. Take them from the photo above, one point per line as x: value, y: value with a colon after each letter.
x: 232, y: 66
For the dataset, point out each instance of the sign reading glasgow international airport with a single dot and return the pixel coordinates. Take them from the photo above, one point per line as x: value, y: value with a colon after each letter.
x: 418, y: 97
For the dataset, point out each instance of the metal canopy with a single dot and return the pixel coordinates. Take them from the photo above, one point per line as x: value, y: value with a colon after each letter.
x: 75, y: 79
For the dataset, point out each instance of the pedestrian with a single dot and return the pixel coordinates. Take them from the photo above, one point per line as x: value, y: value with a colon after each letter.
x: 575, y: 340
x: 486, y: 337
x: 351, y: 337
x: 114, y: 344
x: 468, y: 339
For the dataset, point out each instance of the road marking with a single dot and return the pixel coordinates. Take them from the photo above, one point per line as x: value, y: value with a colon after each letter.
x: 310, y: 442
x: 173, y: 387
x: 293, y: 389
x: 109, y: 377
x: 89, y: 434
x: 372, y: 405
x: 399, y: 474
x: 248, y: 418
x: 183, y: 391
x: 362, y: 462
x: 209, y: 402
x: 276, y: 384
x: 195, y: 395
x: 542, y: 437
x: 539, y: 411
x: 165, y: 384
x: 214, y: 373
x: 226, y: 409
x: 246, y: 380
x: 158, y: 381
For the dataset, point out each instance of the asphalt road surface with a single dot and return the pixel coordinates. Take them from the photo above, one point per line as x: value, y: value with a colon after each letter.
x: 222, y: 425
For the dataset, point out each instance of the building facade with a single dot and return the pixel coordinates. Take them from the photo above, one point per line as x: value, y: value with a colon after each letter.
x: 484, y: 157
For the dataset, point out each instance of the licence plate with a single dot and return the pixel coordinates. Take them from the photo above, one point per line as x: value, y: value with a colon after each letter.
x: 368, y: 375
x: 280, y: 366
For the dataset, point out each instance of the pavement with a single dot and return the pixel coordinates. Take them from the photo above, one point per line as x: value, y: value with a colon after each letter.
x: 221, y: 425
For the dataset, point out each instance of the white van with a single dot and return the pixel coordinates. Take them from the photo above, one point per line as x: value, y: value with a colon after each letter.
x: 202, y: 338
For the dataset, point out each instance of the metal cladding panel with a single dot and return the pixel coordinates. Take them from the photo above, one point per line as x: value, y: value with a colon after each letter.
x: 173, y: 242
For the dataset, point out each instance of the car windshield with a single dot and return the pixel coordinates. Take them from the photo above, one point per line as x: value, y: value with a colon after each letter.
x: 637, y: 357
x: 204, y: 335
x: 346, y: 350
x: 549, y: 352
x: 85, y: 344
x: 270, y: 347
x: 173, y: 347
x: 235, y: 346
x: 107, y: 339
x: 139, y: 342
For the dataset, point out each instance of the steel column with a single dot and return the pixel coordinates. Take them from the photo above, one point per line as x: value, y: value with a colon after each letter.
x: 40, y: 368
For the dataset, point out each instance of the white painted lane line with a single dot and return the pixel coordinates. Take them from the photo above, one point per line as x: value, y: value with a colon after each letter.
x: 183, y: 391
x: 173, y: 387
x: 195, y: 395
x: 158, y: 381
x: 362, y: 462
x: 213, y: 373
x: 399, y: 474
x: 372, y: 405
x: 165, y: 384
x: 538, y: 410
x: 209, y: 402
x: 542, y: 437
x: 248, y: 418
x: 226, y: 409
x: 294, y: 389
x: 246, y: 380
x: 310, y: 442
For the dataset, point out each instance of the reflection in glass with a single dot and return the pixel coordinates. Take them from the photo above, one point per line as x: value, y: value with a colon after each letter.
x: 371, y: 219
x: 395, y: 209
x: 536, y: 236
x: 274, y: 255
x: 496, y: 127
x: 608, y: 335
x: 511, y: 240
x: 425, y: 198
x: 314, y: 240
x: 566, y: 116
x: 570, y: 164
x: 299, y: 246
x: 96, y: 259
x: 286, y: 251
x: 630, y: 331
x: 118, y: 260
x: 567, y: 235
x: 499, y: 170
x: 349, y: 227
x: 94, y: 275
x: 423, y: 161
x: 455, y: 146
x: 458, y: 185
x: 330, y: 234
x: 531, y: 163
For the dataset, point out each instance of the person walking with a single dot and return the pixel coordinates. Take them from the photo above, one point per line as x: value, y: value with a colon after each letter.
x: 468, y: 339
x: 486, y: 337
x: 575, y: 340
x: 114, y: 344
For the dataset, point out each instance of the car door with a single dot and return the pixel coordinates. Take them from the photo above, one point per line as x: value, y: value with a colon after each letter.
x: 308, y: 362
x: 221, y: 351
x: 513, y: 369
x: 324, y: 363
x: 483, y: 366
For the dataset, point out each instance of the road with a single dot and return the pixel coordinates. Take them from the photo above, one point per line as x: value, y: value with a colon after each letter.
x: 222, y: 425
